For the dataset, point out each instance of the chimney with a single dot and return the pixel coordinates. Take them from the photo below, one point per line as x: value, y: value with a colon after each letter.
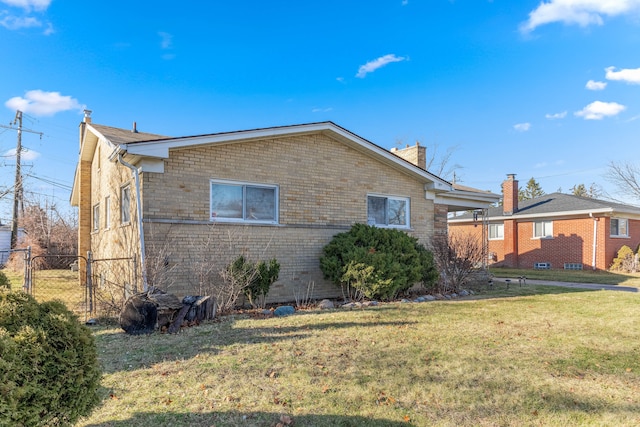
x: 87, y: 116
x: 510, y: 195
x: 135, y: 128
x: 416, y: 154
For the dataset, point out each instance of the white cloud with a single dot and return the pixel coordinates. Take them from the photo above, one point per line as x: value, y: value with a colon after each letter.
x: 581, y: 12
x: 522, y: 127
x: 628, y: 75
x: 598, y: 110
x: 28, y: 5
x: 11, y: 22
x: 372, y: 66
x: 594, y: 85
x: 25, y: 155
x: 166, y: 40
x: 556, y: 116
x: 40, y: 103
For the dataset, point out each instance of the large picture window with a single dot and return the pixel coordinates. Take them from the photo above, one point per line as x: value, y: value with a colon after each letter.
x: 125, y: 204
x: 243, y: 202
x: 542, y: 229
x: 496, y: 231
x: 619, y: 227
x: 388, y: 211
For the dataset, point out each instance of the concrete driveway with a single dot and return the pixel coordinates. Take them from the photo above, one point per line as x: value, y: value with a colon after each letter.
x: 593, y: 286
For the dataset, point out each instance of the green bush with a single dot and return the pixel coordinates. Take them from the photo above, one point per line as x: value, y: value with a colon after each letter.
x: 49, y: 372
x: 4, y: 281
x: 255, y: 278
x: 377, y: 262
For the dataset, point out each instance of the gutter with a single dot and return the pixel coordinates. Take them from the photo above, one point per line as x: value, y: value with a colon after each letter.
x: 136, y: 176
x: 595, y: 240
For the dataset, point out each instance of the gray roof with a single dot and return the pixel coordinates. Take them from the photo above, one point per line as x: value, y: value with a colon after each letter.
x: 123, y: 136
x: 559, y: 204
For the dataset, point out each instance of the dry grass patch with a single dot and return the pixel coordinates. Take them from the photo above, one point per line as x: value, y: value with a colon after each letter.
x: 558, y: 358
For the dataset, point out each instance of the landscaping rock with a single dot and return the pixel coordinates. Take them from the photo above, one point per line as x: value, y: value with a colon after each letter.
x: 464, y: 293
x: 370, y: 303
x: 284, y: 310
x: 326, y: 304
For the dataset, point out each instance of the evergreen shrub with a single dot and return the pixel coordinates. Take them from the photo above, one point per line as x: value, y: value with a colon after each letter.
x: 49, y: 371
x: 377, y: 263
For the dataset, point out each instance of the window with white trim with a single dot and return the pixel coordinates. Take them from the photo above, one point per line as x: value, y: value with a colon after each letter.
x: 496, y: 231
x: 125, y: 204
x: 107, y: 212
x: 243, y: 202
x: 388, y: 211
x: 542, y: 229
x: 96, y: 217
x: 619, y: 227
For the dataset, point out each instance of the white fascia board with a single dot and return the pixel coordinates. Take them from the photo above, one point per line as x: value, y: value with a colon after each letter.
x: 160, y: 148
x: 550, y: 216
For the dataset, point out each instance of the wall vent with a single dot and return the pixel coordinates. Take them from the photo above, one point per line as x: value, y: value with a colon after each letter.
x: 542, y: 266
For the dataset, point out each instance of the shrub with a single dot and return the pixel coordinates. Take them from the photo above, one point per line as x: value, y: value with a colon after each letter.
x: 376, y: 262
x: 255, y: 279
x: 49, y: 372
x: 625, y: 260
x: 4, y: 281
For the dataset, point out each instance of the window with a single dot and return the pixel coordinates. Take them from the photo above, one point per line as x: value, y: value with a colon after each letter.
x: 542, y: 229
x: 125, y: 204
x: 243, y: 202
x: 496, y: 231
x: 619, y: 227
x: 388, y: 211
x: 107, y: 212
x: 96, y: 217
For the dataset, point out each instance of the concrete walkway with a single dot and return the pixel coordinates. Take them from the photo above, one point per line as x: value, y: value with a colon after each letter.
x: 593, y: 286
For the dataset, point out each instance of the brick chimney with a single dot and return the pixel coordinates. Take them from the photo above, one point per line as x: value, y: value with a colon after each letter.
x: 510, y: 195
x: 416, y: 154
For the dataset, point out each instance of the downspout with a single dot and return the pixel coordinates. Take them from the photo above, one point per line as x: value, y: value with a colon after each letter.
x: 595, y: 240
x: 136, y: 176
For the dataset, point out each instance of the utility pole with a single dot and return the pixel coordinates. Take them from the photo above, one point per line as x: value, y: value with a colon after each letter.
x: 17, y: 188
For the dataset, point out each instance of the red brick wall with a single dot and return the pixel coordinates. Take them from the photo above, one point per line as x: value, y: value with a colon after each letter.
x: 572, y: 242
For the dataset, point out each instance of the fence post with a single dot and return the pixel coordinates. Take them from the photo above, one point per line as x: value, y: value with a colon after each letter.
x: 27, y: 271
x: 135, y: 274
x: 89, y: 286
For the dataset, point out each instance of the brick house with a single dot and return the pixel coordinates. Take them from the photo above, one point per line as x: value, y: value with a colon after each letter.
x: 558, y: 231
x: 182, y: 208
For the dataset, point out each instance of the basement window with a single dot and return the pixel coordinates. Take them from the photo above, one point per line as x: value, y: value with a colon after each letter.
x: 388, y: 211
x: 619, y: 227
x: 244, y: 202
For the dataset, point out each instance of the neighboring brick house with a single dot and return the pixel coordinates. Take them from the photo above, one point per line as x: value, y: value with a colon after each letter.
x: 557, y: 231
x: 280, y: 192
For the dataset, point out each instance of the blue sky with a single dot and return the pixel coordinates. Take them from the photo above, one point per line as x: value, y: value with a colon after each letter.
x: 547, y: 89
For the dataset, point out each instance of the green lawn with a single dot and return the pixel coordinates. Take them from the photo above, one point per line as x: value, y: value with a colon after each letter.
x: 551, y: 357
x: 579, y: 276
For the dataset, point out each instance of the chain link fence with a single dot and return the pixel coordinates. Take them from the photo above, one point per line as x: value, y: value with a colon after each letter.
x: 89, y: 287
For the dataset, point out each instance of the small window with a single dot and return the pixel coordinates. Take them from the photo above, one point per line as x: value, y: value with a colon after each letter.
x: 542, y: 229
x: 244, y: 202
x: 387, y: 211
x: 619, y: 227
x: 496, y: 231
x: 125, y: 205
x: 96, y: 217
x: 107, y: 212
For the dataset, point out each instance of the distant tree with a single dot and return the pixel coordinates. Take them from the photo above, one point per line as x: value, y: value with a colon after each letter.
x: 531, y: 191
x: 625, y: 176
x: 581, y: 190
x: 49, y: 232
x: 440, y: 163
